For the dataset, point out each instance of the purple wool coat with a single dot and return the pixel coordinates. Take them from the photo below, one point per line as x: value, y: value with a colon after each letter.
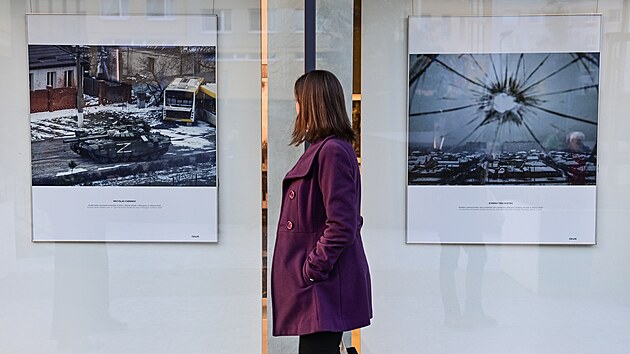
x: 320, y: 279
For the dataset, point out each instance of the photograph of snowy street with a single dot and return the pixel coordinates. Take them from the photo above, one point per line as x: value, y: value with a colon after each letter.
x: 503, y: 119
x: 123, y: 115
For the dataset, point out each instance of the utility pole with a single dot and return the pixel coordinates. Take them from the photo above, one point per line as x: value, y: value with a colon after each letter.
x: 79, y: 71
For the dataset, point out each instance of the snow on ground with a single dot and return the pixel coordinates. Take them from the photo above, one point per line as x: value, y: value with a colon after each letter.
x: 55, y: 127
x: 63, y: 123
x: 90, y: 100
x: 192, y: 143
x: 70, y: 172
x: 112, y: 167
x: 126, y: 108
x: 36, y: 117
x: 201, y: 174
x: 191, y: 137
x: 193, y: 130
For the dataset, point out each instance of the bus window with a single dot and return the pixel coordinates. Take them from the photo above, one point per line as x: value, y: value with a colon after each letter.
x: 179, y: 98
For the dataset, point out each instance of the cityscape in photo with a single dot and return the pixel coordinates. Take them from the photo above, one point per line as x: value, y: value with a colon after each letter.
x: 123, y: 115
x: 503, y: 119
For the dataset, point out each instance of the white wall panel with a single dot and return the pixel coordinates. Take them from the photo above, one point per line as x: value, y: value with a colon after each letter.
x: 135, y: 298
x: 490, y: 299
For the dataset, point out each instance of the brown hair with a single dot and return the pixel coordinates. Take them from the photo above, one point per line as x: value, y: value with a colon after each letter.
x: 322, y: 108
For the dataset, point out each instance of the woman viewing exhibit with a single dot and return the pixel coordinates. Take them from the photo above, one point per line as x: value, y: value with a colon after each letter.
x: 320, y: 281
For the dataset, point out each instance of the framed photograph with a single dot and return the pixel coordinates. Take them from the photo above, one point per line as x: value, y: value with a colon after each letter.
x: 502, y: 129
x: 123, y: 117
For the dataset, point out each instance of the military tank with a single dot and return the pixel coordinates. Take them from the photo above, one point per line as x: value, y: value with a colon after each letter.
x: 120, y: 143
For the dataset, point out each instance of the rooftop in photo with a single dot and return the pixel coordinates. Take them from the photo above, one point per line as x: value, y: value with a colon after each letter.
x: 50, y: 56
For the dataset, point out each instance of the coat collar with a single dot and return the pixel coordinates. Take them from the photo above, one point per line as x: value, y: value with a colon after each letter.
x: 305, y: 162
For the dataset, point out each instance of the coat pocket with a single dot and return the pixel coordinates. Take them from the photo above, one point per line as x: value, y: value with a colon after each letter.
x: 305, y: 278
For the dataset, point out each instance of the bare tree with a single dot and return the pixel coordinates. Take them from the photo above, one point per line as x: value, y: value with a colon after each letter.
x: 156, y: 73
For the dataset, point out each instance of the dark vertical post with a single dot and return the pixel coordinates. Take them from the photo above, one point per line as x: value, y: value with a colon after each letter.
x: 309, y: 35
x: 79, y: 70
x: 309, y: 39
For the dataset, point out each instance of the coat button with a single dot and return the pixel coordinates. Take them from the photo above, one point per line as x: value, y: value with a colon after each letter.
x: 291, y: 194
x: 289, y: 225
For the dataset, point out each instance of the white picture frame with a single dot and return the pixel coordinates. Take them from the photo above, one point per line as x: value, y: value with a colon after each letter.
x: 485, y: 94
x: 138, y: 197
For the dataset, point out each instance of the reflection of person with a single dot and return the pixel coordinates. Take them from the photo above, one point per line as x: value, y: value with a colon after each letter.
x: 469, y: 311
x: 575, y: 143
x: 472, y: 312
x: 578, y: 172
x: 79, y: 316
x: 320, y: 282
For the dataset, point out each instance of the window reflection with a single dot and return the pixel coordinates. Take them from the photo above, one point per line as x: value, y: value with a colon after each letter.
x: 160, y: 8
x: 114, y: 7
